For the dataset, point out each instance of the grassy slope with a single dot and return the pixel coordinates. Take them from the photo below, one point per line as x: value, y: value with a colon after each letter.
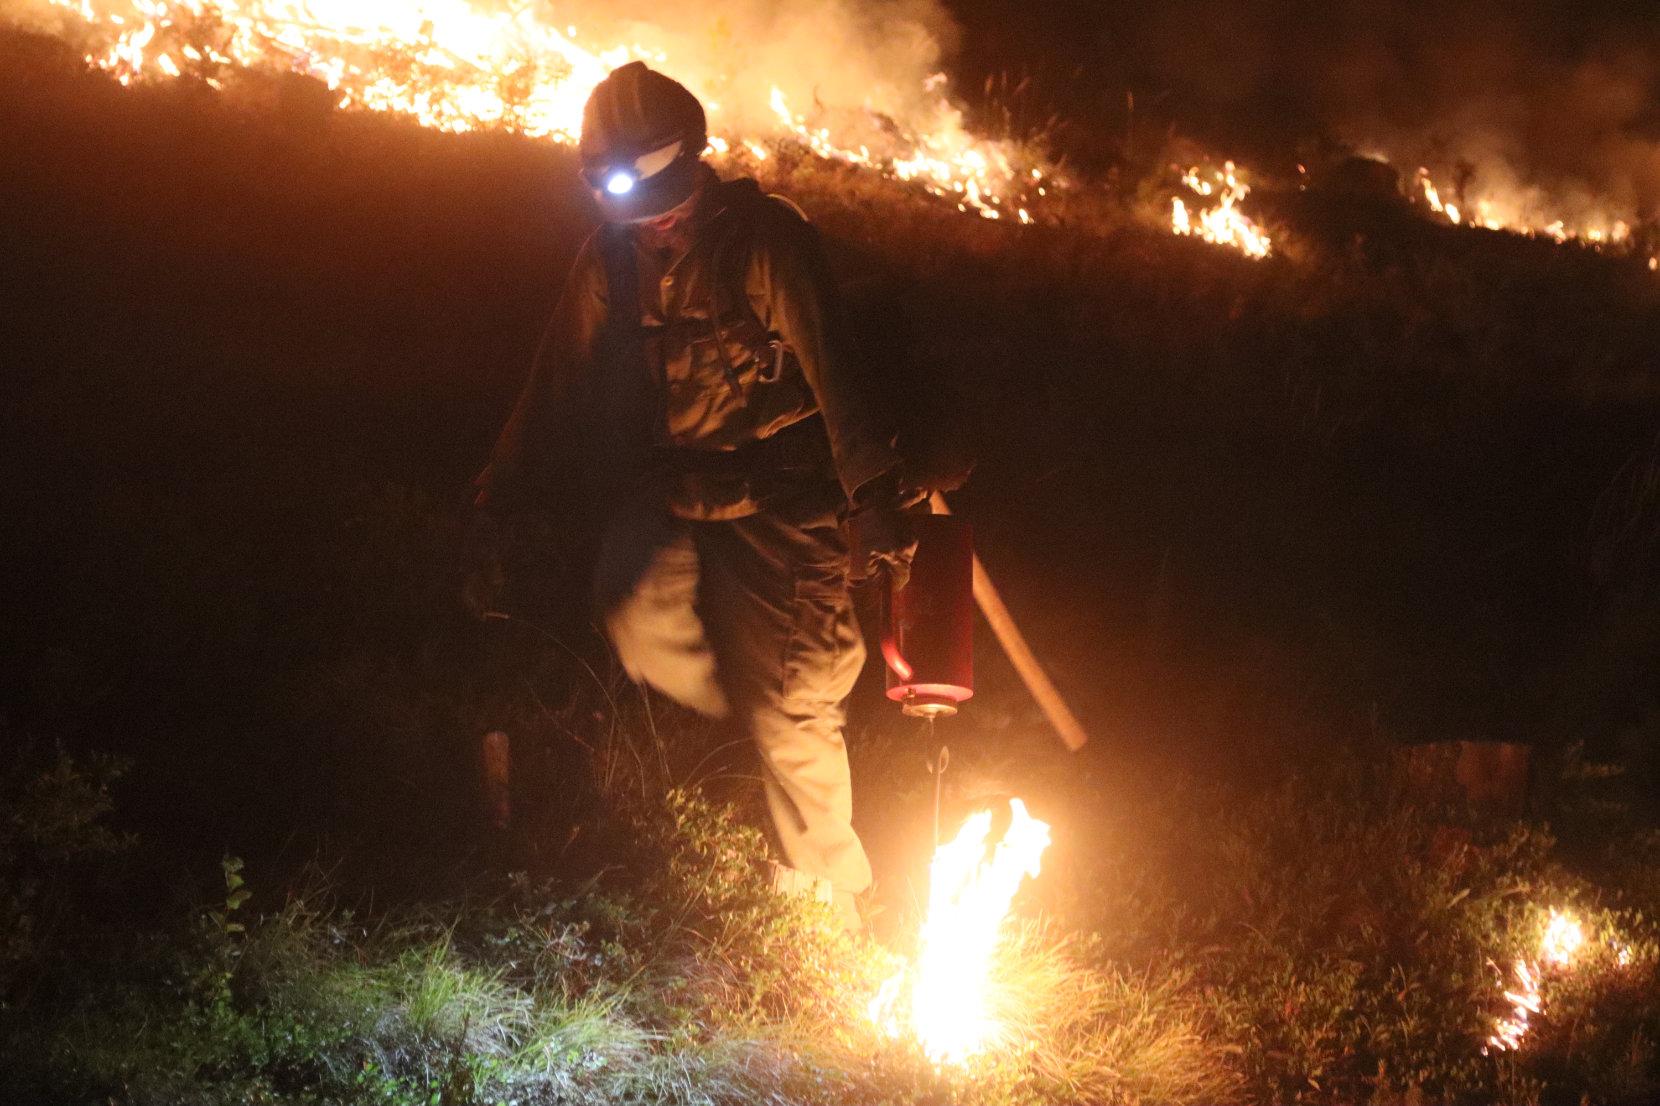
x: 1391, y: 479
x: 1317, y: 942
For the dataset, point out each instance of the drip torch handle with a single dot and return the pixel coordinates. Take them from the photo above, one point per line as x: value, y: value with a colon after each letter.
x: 1037, y: 681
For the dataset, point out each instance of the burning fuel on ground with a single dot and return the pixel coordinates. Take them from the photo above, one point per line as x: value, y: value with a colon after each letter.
x: 1212, y: 211
x: 459, y: 67
x: 1561, y: 947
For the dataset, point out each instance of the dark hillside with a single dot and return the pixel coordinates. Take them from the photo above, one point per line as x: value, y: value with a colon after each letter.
x: 1395, y: 481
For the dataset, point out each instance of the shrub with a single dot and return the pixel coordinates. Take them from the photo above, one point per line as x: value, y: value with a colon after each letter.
x: 1351, y: 943
x: 52, y: 812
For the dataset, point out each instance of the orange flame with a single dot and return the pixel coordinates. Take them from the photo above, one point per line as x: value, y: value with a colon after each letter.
x: 1558, y: 947
x: 455, y: 66
x: 1520, y: 214
x: 1220, y: 222
x: 945, y: 998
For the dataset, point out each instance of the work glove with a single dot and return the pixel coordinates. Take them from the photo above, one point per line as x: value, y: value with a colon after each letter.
x: 881, y: 538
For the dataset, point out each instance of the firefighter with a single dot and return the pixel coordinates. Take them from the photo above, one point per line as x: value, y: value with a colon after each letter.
x: 746, y: 478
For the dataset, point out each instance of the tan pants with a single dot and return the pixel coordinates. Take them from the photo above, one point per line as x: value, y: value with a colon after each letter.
x: 751, y: 619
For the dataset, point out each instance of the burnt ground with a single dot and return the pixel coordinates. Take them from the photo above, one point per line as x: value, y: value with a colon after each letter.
x: 1394, y: 484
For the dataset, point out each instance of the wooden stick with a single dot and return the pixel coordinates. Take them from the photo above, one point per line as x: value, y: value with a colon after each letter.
x: 1020, y: 654
x: 496, y: 760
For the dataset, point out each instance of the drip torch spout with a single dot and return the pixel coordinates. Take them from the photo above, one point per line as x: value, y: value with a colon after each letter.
x: 942, y: 760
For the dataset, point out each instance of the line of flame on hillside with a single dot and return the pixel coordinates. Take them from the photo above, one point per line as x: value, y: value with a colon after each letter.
x: 455, y: 66
x: 1522, y: 217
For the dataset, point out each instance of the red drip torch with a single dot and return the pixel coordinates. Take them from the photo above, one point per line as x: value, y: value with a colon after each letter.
x: 928, y: 625
x: 928, y: 635
x: 928, y: 632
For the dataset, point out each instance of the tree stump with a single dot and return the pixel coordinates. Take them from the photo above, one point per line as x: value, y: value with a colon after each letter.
x: 1494, y: 776
x: 1491, y: 776
x: 495, y: 756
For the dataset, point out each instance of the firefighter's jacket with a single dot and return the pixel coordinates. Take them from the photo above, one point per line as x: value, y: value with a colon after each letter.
x: 736, y: 384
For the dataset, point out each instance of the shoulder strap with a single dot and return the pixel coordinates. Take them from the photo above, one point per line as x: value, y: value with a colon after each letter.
x: 746, y: 202
x: 627, y: 395
x: 622, y: 281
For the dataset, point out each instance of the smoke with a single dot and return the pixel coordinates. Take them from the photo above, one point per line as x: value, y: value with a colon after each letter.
x: 1552, y: 105
x: 33, y: 15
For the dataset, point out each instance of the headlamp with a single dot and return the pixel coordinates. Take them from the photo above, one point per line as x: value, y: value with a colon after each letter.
x: 619, y: 178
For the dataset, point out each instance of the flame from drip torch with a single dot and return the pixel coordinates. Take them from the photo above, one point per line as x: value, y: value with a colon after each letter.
x: 946, y: 999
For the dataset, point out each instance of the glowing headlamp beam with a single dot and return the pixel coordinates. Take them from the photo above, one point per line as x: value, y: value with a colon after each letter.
x: 619, y: 184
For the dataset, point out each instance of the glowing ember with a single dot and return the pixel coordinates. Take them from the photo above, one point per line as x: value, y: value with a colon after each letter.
x: 945, y: 998
x: 1220, y: 221
x: 457, y: 66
